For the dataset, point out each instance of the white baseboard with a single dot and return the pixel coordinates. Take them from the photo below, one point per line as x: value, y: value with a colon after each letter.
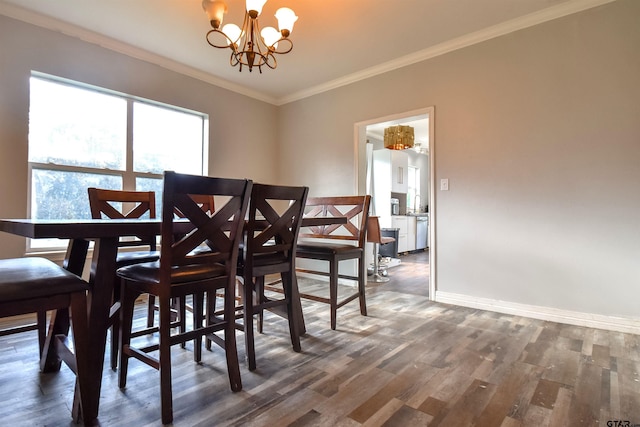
x: 599, y: 321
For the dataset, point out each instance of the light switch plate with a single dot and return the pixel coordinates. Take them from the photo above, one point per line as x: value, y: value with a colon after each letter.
x: 444, y: 184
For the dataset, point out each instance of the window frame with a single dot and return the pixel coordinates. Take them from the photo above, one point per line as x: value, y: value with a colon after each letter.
x: 128, y: 175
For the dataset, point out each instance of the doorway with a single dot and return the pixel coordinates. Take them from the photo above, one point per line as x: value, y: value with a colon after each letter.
x: 369, y: 134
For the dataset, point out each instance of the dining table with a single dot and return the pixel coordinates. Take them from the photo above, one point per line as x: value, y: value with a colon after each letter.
x: 105, y: 233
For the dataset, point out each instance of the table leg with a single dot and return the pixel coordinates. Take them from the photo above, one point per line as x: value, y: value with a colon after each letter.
x: 74, y: 262
x: 103, y: 267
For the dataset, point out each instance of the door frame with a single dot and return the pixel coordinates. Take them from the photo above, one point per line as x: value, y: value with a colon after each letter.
x: 359, y: 147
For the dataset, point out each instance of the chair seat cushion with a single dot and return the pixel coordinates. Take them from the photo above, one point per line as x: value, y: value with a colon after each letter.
x: 384, y: 240
x: 129, y: 258
x: 306, y: 248
x: 261, y: 260
x: 150, y: 272
x: 264, y: 264
x: 35, y: 277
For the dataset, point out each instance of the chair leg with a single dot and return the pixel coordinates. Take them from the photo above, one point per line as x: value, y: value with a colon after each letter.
x: 166, y: 398
x: 209, y: 313
x: 151, y: 310
x: 115, y: 323
x: 42, y: 330
x: 230, y: 348
x: 248, y: 323
x: 362, y: 279
x: 292, y: 317
x: 198, y: 303
x: 259, y: 299
x: 180, y: 303
x: 333, y: 292
x: 128, y: 299
x: 115, y: 341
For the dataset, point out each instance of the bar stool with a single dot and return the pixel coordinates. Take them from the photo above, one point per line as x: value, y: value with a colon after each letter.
x: 121, y: 204
x: 35, y: 285
x: 275, y: 214
x: 375, y: 236
x: 181, y: 271
x: 336, y: 243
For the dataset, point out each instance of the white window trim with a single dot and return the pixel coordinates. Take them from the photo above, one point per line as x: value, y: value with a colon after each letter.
x: 128, y: 175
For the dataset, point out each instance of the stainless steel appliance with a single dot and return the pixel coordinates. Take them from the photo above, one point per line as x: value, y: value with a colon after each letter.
x: 422, y: 230
x: 395, y: 206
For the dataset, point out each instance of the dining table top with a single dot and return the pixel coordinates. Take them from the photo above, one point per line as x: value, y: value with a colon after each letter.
x: 98, y: 228
x: 78, y: 228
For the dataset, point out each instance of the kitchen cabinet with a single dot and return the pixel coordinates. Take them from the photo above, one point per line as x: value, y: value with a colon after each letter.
x: 401, y: 223
x: 392, y: 165
x: 390, y: 172
x: 407, y: 232
x: 399, y: 171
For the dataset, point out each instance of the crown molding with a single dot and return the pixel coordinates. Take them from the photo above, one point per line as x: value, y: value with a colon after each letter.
x: 548, y: 14
x: 88, y: 36
x: 470, y: 39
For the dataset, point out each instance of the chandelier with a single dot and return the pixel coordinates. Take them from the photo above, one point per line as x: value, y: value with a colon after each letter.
x: 398, y: 137
x: 250, y: 47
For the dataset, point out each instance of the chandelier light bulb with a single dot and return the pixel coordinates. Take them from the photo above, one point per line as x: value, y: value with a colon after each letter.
x: 255, y: 5
x: 233, y: 32
x: 286, y: 18
x: 215, y: 10
x: 270, y: 36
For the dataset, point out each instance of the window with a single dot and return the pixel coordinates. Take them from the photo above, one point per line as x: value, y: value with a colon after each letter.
x: 81, y: 136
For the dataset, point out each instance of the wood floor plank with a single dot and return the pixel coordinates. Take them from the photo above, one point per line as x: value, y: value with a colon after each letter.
x: 561, y: 414
x: 383, y: 414
x: 468, y: 407
x: 411, y: 362
x: 510, y: 395
x: 407, y: 416
x: 546, y: 394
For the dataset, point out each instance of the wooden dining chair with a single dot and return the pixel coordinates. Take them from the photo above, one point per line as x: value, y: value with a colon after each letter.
x: 271, y: 233
x: 181, y: 271
x: 374, y: 235
x: 206, y: 202
x: 36, y: 285
x: 120, y: 204
x: 335, y: 244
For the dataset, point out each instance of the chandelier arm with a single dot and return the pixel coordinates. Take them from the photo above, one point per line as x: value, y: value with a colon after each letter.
x: 233, y: 59
x: 231, y: 45
x: 271, y: 57
x: 273, y: 49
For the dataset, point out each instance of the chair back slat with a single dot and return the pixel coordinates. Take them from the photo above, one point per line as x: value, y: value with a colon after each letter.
x: 101, y: 203
x: 218, y: 230
x: 275, y: 214
x: 204, y: 201
x: 355, y: 208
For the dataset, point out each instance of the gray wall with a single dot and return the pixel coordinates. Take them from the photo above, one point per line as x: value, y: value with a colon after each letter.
x: 242, y: 130
x: 538, y: 133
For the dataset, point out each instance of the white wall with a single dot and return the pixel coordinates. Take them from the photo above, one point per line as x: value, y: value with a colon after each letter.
x: 538, y: 134
x: 242, y: 130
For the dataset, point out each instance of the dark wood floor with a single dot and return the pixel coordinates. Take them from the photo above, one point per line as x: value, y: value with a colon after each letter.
x: 411, y: 362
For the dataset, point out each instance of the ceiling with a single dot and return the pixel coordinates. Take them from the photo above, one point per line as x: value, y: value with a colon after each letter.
x: 336, y: 42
